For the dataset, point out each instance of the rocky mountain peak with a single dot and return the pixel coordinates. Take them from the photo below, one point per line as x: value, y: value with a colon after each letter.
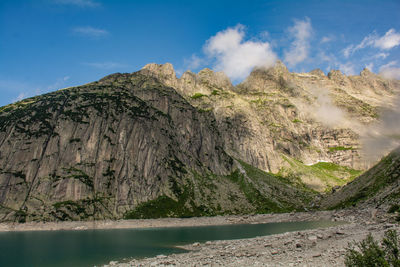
x: 164, y: 72
x: 338, y: 77
x: 216, y: 79
x: 366, y: 73
x: 280, y: 67
x: 163, y: 69
x: 317, y: 72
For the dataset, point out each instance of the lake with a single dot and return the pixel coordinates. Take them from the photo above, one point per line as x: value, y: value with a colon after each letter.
x: 97, y: 247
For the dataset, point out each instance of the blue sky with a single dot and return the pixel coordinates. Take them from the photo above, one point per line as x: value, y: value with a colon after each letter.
x: 46, y: 45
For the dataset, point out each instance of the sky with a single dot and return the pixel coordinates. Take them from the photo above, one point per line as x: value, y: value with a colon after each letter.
x: 47, y: 45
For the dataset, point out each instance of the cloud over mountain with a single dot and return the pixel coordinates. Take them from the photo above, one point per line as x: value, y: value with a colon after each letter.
x: 236, y: 56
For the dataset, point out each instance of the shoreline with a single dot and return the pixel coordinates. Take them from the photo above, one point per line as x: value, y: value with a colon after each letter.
x: 314, y: 247
x: 167, y: 222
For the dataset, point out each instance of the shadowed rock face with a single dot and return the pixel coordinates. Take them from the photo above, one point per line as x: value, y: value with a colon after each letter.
x: 110, y: 145
x: 131, y: 145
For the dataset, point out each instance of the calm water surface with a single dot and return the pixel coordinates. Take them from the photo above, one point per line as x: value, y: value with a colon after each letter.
x: 97, y: 247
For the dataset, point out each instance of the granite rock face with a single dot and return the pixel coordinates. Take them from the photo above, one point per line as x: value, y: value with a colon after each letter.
x: 101, y: 150
x: 149, y: 144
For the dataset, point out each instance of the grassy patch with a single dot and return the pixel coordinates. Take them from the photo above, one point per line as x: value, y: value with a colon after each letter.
x: 197, y: 96
x: 339, y: 148
x: 327, y: 174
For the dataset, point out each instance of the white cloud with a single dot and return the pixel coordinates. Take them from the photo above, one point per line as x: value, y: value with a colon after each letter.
x: 301, y: 33
x: 325, y: 110
x: 390, y: 70
x: 390, y: 40
x: 383, y: 136
x: 105, y: 65
x: 90, y: 31
x: 381, y: 55
x: 80, y: 3
x: 348, y: 50
x: 193, y: 62
x: 235, y: 56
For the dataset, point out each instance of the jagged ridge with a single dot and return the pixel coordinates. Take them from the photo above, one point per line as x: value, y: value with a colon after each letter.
x: 132, y: 144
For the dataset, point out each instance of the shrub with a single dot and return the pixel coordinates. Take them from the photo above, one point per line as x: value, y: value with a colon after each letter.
x: 197, y: 95
x: 215, y: 92
x: 368, y: 253
x: 394, y: 208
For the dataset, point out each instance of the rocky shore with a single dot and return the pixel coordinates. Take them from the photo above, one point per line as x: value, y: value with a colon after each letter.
x: 319, y: 247
x: 165, y: 222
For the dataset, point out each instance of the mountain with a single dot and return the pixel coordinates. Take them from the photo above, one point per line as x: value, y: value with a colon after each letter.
x: 378, y: 186
x: 149, y: 144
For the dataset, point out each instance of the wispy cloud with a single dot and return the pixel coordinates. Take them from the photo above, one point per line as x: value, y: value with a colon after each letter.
x: 236, y: 56
x: 390, y: 70
x: 20, y: 97
x: 325, y: 110
x: 370, y: 66
x: 79, y: 3
x: 194, y: 62
x: 327, y: 39
x: 105, y: 65
x: 388, y: 41
x: 382, y: 136
x: 58, y: 84
x: 89, y: 31
x: 22, y: 90
x: 301, y: 33
x: 347, y: 68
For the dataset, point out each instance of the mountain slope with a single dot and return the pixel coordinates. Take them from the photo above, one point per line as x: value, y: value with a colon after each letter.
x: 275, y: 114
x: 378, y: 185
x: 149, y: 144
x: 99, y: 150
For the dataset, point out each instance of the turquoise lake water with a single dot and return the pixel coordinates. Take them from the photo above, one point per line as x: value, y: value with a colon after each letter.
x: 97, y: 247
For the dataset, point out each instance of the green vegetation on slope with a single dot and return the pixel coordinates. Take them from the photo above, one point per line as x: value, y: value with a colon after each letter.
x: 383, y: 175
x: 322, y: 176
x: 339, y: 148
x: 264, y: 192
x: 283, y: 195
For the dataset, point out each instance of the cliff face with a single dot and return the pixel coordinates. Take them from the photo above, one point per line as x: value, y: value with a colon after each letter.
x: 308, y: 117
x: 99, y: 150
x: 148, y: 144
